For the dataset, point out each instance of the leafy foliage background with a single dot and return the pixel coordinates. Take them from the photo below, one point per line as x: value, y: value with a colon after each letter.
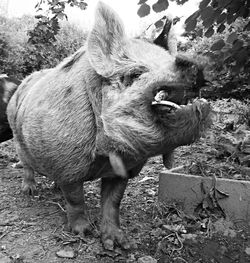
x: 218, y: 30
x: 21, y: 54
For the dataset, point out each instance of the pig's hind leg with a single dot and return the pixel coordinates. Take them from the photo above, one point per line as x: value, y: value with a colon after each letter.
x: 76, y: 209
x: 29, y: 183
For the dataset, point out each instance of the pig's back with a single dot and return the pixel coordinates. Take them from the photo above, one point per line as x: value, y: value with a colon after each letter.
x: 54, y: 125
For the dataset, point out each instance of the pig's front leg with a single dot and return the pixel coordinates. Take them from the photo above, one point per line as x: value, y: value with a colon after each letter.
x: 76, y: 208
x: 112, y: 191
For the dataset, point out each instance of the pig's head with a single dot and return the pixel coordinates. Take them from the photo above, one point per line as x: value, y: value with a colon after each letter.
x: 144, y: 89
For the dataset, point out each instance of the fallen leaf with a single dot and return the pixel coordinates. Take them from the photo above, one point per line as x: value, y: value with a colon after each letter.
x: 66, y: 254
x: 247, y: 250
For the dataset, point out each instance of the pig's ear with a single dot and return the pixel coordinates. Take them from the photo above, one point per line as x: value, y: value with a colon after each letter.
x: 167, y: 38
x: 105, y: 41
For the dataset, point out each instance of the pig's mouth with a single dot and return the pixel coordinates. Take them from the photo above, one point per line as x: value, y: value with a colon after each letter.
x: 162, y: 103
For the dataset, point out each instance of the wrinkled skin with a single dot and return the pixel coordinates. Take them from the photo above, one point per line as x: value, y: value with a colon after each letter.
x: 97, y: 102
x: 8, y: 86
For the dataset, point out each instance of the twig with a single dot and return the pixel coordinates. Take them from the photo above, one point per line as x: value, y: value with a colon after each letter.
x: 7, y: 224
x: 209, y: 224
x: 68, y: 235
x: 5, y: 207
x: 4, y: 234
x: 166, y: 237
x: 172, y: 212
x: 47, y: 214
x: 180, y: 259
x: 179, y: 240
x: 80, y: 244
x: 55, y: 203
x: 176, y: 169
x: 70, y: 242
x: 181, y: 244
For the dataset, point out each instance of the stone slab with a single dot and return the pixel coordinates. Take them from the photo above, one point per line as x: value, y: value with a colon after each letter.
x: 186, y: 190
x: 4, y: 258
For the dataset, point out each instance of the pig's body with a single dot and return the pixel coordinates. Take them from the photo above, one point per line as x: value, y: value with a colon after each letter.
x: 67, y: 122
x: 8, y: 86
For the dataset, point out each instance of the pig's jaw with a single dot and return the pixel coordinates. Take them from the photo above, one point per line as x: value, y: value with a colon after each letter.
x: 186, y: 124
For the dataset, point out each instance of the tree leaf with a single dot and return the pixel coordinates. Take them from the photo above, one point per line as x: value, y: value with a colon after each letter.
x: 142, y: 2
x: 237, y: 44
x: 209, y: 21
x: 229, y: 59
x: 143, y: 10
x: 234, y: 6
x: 83, y: 5
x: 244, y: 12
x: 206, y: 12
x: 204, y: 3
x: 191, y: 21
x: 159, y: 23
x: 223, y: 3
x: 200, y: 32
x: 180, y: 2
x: 232, y: 37
x: 60, y: 15
x: 231, y: 18
x: 247, y: 27
x: 209, y: 32
x: 218, y: 45
x: 191, y: 25
x: 58, y: 10
x: 160, y: 6
x: 221, y: 28
x: 195, y: 15
x: 39, y: 16
x: 241, y: 57
x: 221, y: 18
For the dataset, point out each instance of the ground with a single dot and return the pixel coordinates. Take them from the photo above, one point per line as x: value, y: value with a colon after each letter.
x: 34, y: 229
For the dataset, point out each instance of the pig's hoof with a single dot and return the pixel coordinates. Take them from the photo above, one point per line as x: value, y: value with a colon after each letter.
x: 115, y: 236
x: 80, y: 225
x: 29, y: 188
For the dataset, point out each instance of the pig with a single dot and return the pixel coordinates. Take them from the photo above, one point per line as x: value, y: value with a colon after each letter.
x: 102, y: 103
x: 8, y: 86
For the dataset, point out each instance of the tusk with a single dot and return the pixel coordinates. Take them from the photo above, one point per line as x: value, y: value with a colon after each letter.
x: 166, y: 103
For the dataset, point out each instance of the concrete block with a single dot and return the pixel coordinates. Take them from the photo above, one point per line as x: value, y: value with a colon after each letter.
x: 186, y: 190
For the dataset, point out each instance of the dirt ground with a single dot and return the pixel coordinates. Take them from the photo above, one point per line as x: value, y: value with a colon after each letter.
x: 33, y: 229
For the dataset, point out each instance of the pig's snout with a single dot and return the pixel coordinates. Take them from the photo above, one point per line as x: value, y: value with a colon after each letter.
x: 170, y: 114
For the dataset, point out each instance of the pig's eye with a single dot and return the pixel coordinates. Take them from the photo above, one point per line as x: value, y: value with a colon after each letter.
x: 135, y: 76
x: 127, y: 80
